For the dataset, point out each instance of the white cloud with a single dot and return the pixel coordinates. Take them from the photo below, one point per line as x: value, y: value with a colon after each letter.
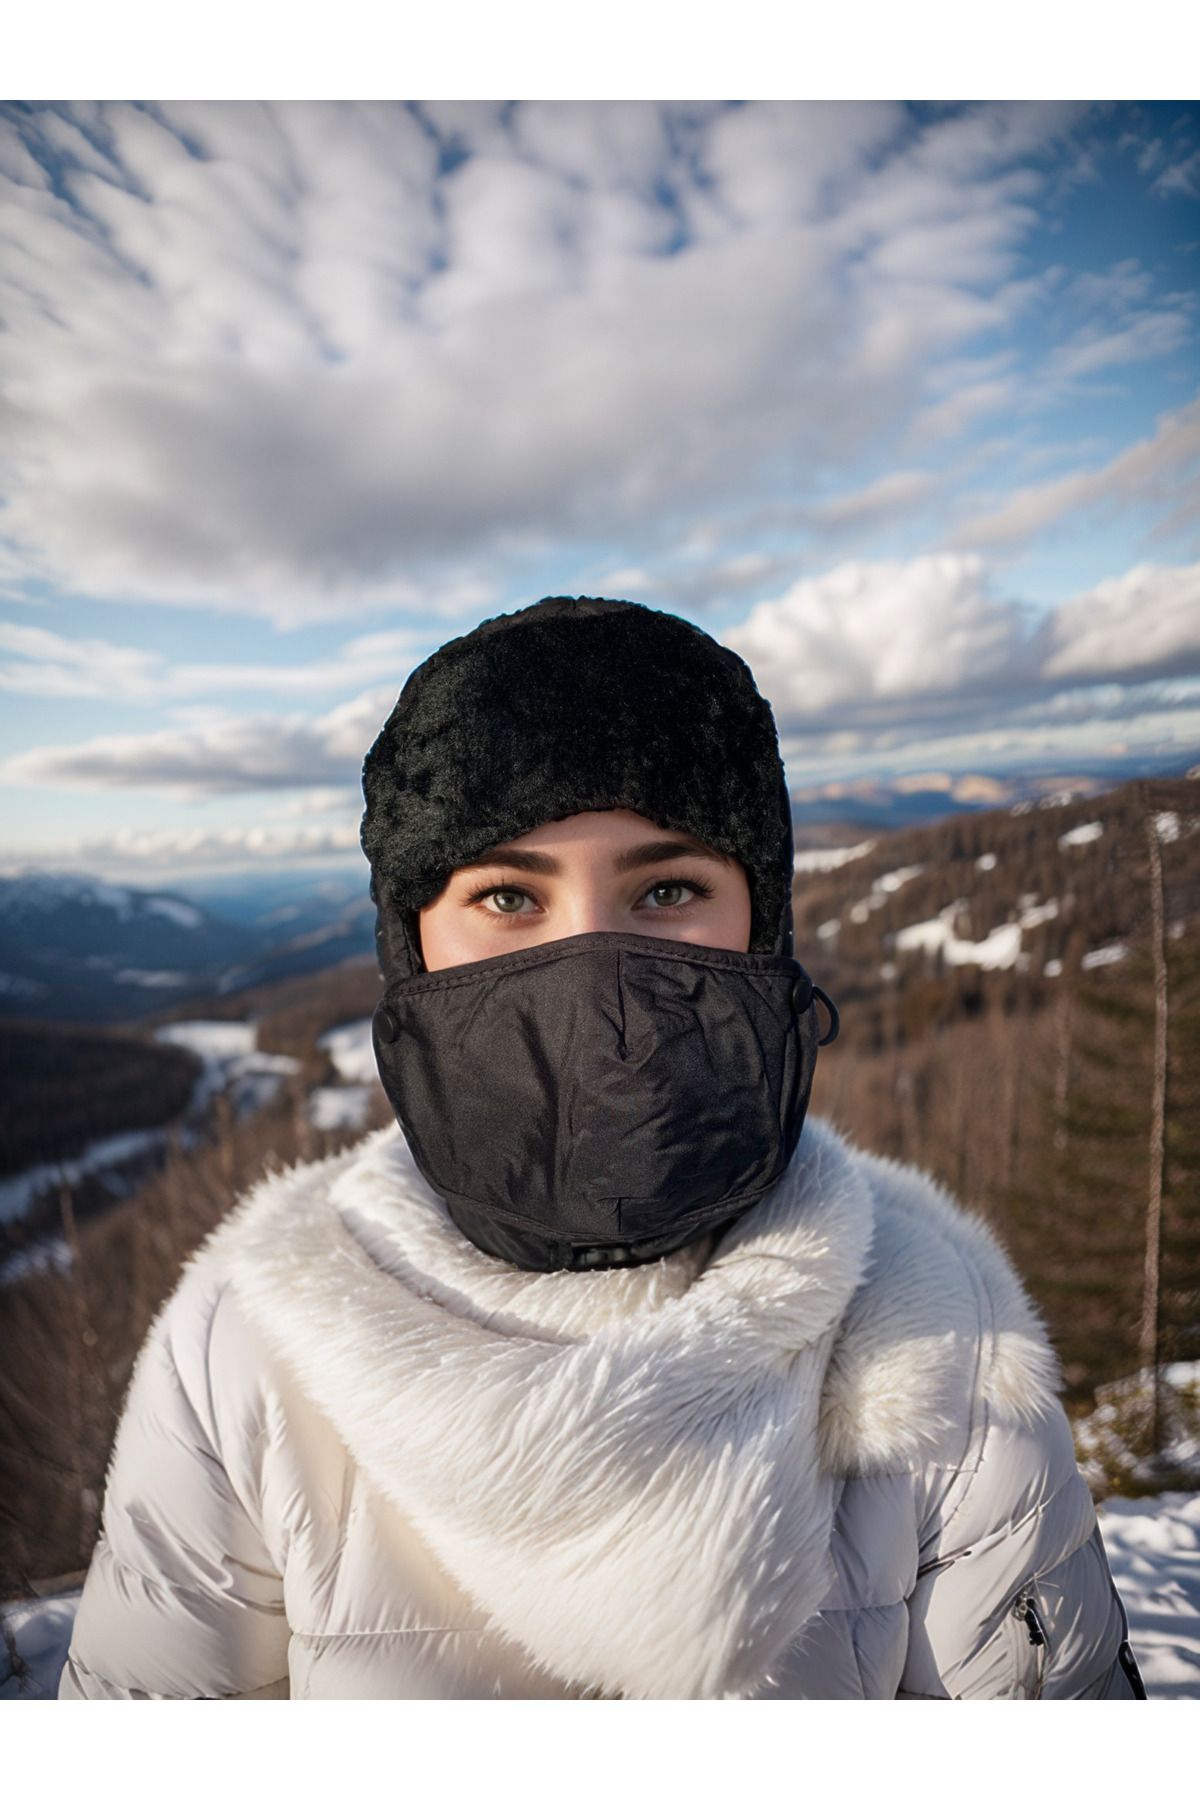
x: 1182, y: 177
x: 1158, y: 468
x: 285, y: 359
x: 142, y: 852
x: 879, y: 500
x: 921, y: 644
x: 225, y: 756
x: 54, y: 666
x: 866, y: 636
x: 866, y: 655
x: 1148, y: 618
x: 1150, y: 334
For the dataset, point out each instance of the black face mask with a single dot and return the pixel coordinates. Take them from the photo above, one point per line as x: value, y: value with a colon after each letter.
x: 603, y: 1099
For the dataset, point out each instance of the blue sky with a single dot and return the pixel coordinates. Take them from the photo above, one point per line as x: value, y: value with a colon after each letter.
x: 901, y: 402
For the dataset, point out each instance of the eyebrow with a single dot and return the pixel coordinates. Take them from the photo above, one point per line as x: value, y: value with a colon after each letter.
x: 637, y: 856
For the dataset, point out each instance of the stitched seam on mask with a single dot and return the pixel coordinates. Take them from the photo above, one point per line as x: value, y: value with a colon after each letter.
x: 544, y: 953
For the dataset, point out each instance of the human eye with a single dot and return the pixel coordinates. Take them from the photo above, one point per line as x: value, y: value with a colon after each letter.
x: 504, y: 896
x: 697, y: 889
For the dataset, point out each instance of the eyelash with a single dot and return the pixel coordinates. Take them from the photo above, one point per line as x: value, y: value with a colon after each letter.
x: 701, y: 888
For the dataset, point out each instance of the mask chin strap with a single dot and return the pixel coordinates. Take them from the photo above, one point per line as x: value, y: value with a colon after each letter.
x: 835, y: 1019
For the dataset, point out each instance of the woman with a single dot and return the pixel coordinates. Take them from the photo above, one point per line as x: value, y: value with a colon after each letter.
x: 605, y: 1375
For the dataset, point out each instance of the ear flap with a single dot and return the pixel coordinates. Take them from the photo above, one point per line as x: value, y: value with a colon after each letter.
x: 785, y: 936
x: 397, y: 937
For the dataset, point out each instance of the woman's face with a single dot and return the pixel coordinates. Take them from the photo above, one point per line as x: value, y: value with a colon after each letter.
x: 595, y: 871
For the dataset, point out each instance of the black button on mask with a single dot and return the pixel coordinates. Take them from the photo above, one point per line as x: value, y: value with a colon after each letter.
x: 602, y: 1099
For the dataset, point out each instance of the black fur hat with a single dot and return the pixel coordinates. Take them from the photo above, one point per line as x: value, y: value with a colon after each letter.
x: 572, y: 705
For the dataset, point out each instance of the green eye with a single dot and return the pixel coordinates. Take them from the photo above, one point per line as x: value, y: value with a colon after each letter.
x: 508, y: 899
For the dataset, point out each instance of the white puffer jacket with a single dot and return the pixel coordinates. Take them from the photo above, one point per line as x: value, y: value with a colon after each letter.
x: 362, y: 1459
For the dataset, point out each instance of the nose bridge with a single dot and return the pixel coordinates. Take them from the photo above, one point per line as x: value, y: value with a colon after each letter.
x: 588, y: 909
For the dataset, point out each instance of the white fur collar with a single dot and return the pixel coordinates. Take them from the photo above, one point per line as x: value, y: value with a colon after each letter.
x: 633, y: 1472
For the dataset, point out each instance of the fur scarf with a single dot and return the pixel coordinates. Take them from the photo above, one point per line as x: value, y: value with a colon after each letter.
x: 635, y: 1472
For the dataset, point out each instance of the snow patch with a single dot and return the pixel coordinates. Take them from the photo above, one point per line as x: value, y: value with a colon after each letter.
x: 102, y: 893
x: 214, y: 1041
x: 18, y: 1192
x: 231, y: 1063
x: 1107, y: 953
x: 1082, y: 834
x: 1153, y: 1548
x: 339, y: 1108
x: 351, y: 1050
x: 986, y: 861
x: 151, y: 978
x: 819, y: 862
x: 40, y: 1631
x: 998, y: 950
x: 52, y: 1253
x: 1037, y: 915
x: 178, y: 911
x: 883, y: 885
x: 896, y: 878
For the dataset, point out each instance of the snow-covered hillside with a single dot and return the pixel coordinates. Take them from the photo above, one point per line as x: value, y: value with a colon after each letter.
x: 231, y: 1063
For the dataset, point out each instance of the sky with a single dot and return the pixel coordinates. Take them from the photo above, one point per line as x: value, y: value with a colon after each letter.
x: 901, y: 401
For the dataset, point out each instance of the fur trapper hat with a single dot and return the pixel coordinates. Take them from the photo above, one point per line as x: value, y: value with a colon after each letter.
x: 567, y: 706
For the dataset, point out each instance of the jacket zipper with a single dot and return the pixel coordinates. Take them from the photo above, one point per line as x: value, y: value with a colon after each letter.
x: 1025, y: 1610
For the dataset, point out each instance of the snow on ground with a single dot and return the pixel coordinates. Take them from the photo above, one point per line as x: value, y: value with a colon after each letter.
x: 986, y: 861
x: 1082, y: 834
x: 18, y: 1191
x: 178, y: 911
x: 342, y: 1106
x: 998, y: 950
x: 339, y: 1108
x: 231, y: 1064
x: 351, y: 1050
x: 40, y: 1631
x: 212, y: 1040
x: 51, y: 1253
x: 1107, y: 953
x: 101, y: 893
x: 151, y: 978
x: 1109, y: 1439
x: 881, y: 887
x: 819, y: 862
x: 1035, y: 914
x: 1153, y: 1549
x: 1154, y: 1552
